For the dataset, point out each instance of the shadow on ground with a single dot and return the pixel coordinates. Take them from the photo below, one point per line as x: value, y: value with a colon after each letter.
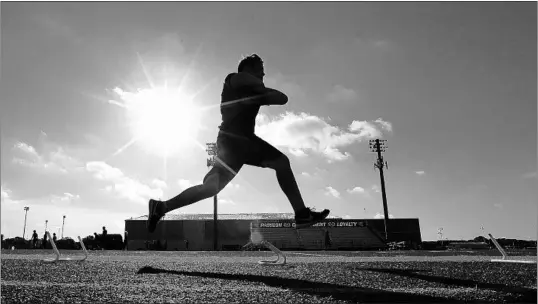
x: 521, y: 293
x: 336, y: 292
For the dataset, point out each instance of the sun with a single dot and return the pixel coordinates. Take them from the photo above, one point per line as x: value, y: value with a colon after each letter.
x: 162, y: 120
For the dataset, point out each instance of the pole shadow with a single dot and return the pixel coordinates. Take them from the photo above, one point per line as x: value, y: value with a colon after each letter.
x: 335, y: 291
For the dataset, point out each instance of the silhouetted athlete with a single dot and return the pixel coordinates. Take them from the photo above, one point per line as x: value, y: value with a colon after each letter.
x: 242, y: 95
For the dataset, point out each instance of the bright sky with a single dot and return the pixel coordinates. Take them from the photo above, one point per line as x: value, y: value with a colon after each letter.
x: 450, y: 86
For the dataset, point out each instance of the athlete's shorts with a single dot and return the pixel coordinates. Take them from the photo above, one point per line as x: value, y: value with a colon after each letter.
x: 235, y: 151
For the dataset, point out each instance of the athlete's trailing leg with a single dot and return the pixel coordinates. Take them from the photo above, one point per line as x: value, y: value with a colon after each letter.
x: 213, y: 183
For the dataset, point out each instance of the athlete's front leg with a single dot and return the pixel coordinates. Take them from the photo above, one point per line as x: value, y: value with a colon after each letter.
x: 304, y: 217
x: 286, y: 180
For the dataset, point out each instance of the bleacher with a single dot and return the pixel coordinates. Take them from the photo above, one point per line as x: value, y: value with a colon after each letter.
x: 313, y: 238
x: 282, y: 238
x: 352, y: 238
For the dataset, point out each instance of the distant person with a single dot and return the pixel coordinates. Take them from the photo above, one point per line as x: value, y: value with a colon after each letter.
x: 54, y: 237
x: 45, y: 241
x: 328, y: 241
x: 97, y: 240
x: 35, y: 238
x: 242, y: 96
x: 104, y: 231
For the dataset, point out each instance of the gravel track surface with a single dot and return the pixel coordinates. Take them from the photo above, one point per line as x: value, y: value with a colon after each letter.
x: 236, y: 277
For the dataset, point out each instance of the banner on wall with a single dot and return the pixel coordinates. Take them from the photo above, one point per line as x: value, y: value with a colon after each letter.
x: 291, y: 224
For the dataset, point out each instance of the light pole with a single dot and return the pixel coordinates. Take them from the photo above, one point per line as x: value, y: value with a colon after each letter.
x: 25, y: 214
x: 212, y: 152
x: 63, y: 223
x: 46, y: 224
x: 378, y: 146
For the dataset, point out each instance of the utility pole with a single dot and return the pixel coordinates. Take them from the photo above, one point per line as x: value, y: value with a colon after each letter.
x: 378, y: 146
x: 25, y: 214
x: 212, y: 152
x: 63, y: 223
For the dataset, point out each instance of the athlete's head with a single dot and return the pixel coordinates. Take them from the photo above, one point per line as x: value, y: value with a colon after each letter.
x: 253, y: 65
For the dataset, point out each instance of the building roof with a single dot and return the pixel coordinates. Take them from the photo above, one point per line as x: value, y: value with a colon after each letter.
x: 237, y: 216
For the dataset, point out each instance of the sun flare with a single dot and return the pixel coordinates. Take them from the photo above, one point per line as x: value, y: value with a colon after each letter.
x: 162, y: 120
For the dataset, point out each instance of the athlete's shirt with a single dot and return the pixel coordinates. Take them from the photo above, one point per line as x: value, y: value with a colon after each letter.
x: 238, y: 118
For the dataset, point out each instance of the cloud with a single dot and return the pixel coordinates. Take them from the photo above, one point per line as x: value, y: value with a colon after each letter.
x: 224, y: 201
x: 284, y: 84
x: 6, y: 195
x: 376, y: 189
x: 330, y: 191
x: 306, y: 174
x: 341, y: 94
x: 372, y: 43
x: 381, y: 215
x: 347, y: 217
x: 65, y: 198
x: 356, y: 190
x: 498, y: 205
x: 233, y: 186
x: 303, y: 133
x: 184, y: 184
x: 420, y: 172
x: 123, y: 186
x: 58, y: 28
x: 385, y: 125
x: 159, y: 183
x: 530, y: 175
x: 382, y: 44
x: 57, y: 161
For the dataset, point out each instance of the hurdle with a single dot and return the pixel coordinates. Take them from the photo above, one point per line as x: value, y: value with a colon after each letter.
x: 62, y: 258
x: 505, y: 257
x: 257, y: 239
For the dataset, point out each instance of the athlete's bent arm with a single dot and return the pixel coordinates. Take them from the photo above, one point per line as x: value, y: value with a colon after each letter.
x: 274, y: 97
x: 255, y: 86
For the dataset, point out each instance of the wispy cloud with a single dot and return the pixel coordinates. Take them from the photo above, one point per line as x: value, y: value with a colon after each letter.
x: 530, y: 175
x: 381, y: 215
x: 498, y: 205
x: 159, y: 183
x: 376, y: 188
x: 420, y: 172
x: 304, y: 133
x: 357, y: 190
x: 184, y: 184
x: 58, y: 28
x: 293, y: 90
x: 57, y: 161
x: 340, y: 93
x: 224, y: 201
x: 65, y: 198
x: 330, y: 191
x: 123, y: 186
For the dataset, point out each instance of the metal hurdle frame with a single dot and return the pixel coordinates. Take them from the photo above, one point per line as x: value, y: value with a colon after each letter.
x: 59, y: 257
x: 280, y: 257
x: 505, y: 257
